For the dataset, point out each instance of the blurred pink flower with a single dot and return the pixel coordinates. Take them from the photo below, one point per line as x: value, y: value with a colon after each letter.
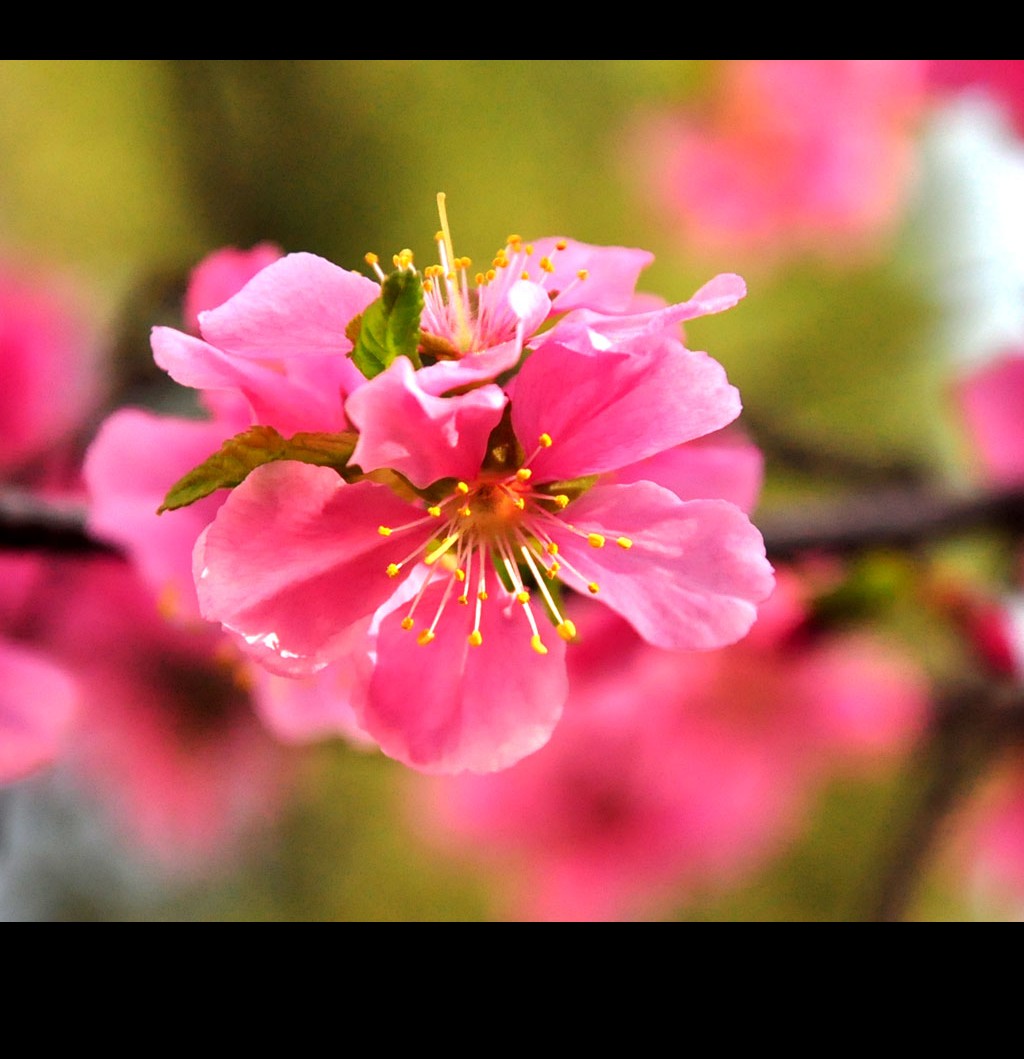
x: 795, y: 155
x: 671, y: 771
x: 1002, y: 79
x: 991, y: 403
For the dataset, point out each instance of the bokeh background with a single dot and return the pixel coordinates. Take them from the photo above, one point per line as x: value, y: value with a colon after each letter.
x: 118, y: 176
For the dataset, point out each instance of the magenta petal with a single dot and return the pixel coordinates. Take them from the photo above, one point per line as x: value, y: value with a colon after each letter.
x: 613, y: 272
x: 421, y: 436
x: 448, y: 375
x: 297, y: 307
x: 605, y: 412
x: 37, y: 701
x: 693, y: 576
x: 716, y: 467
x: 294, y: 558
x: 450, y: 707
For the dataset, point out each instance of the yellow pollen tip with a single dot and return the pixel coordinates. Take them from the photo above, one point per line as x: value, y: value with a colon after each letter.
x: 464, y: 600
x: 545, y: 441
x: 512, y: 240
x: 460, y: 576
x: 561, y: 244
x: 466, y: 511
x: 538, y: 646
x: 524, y: 474
x: 480, y: 279
x: 524, y: 274
x: 582, y: 274
x: 624, y: 542
x: 529, y: 249
x: 392, y: 570
x: 462, y: 488
x: 561, y: 500
x: 593, y: 588
x: 552, y: 548
x: 545, y: 265
x: 384, y: 531
x: 520, y: 503
x: 371, y: 259
x: 491, y: 274
x: 407, y: 624
x: 567, y: 630
x: 523, y: 597
x: 475, y: 638
x: 553, y: 571
x: 438, y: 237
x: 435, y: 511
x: 595, y: 540
x: 424, y: 638
x: 482, y: 596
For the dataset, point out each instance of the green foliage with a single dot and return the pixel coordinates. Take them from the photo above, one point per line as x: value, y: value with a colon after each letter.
x: 243, y: 453
x: 390, y: 327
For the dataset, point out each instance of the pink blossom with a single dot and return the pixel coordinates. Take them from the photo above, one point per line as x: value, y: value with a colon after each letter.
x: 794, y: 155
x: 990, y: 400
x: 672, y: 770
x: 1002, y: 79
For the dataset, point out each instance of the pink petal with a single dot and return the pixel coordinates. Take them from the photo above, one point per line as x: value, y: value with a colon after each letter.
x: 693, y: 576
x: 605, y: 412
x: 448, y: 375
x: 294, y: 558
x: 717, y: 467
x: 297, y: 307
x: 613, y: 272
x: 222, y: 274
x: 992, y: 404
x: 421, y: 436
x: 37, y: 701
x: 450, y: 707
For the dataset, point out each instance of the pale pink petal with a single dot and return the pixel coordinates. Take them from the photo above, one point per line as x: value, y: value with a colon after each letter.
x: 423, y: 437
x: 693, y: 576
x: 447, y: 375
x: 222, y: 274
x: 992, y: 403
x: 606, y: 412
x: 613, y: 272
x: 297, y: 307
x: 451, y: 707
x: 37, y: 703
x: 294, y: 557
x: 717, y: 467
x: 290, y: 399
x: 133, y: 461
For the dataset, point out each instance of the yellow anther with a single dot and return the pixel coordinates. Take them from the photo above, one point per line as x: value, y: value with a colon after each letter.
x: 436, y: 554
x: 428, y: 285
x: 480, y: 279
x: 393, y: 569
x: 464, y: 600
x: 538, y: 646
x: 561, y: 244
x: 561, y: 500
x: 552, y: 548
x: 466, y: 511
x: 567, y: 630
x: 464, y: 262
x: 593, y: 588
x: 462, y: 488
x: 435, y: 511
x: 438, y: 237
x: 520, y: 503
x: 529, y: 249
x: 582, y: 274
x: 460, y: 576
x: 524, y: 274
x: 512, y: 240
x: 371, y: 259
x: 595, y: 540
x: 553, y: 570
x: 384, y: 531
x: 545, y: 441
x: 491, y: 274
x: 475, y: 638
x: 524, y: 474
x: 523, y: 597
x: 545, y: 265
x: 407, y: 624
x: 424, y: 638
x: 482, y: 596
x: 624, y: 542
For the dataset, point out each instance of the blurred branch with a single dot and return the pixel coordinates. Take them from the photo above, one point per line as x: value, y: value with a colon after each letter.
x: 28, y: 523
x: 971, y: 727
x: 892, y: 518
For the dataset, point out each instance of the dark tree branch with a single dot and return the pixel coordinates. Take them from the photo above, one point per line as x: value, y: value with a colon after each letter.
x: 30, y: 524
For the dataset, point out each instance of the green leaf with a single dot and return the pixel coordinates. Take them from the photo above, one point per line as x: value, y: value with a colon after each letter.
x: 243, y: 453
x: 390, y: 326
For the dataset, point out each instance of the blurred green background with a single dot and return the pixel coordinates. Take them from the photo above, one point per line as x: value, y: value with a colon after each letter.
x: 124, y: 173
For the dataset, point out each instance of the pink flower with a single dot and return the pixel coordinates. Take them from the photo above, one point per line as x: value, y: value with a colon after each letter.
x: 990, y: 401
x: 1001, y: 78
x: 796, y: 155
x: 672, y: 770
x: 516, y: 492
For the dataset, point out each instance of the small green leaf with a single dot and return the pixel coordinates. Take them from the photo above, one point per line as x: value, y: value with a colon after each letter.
x: 390, y: 326
x: 243, y: 453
